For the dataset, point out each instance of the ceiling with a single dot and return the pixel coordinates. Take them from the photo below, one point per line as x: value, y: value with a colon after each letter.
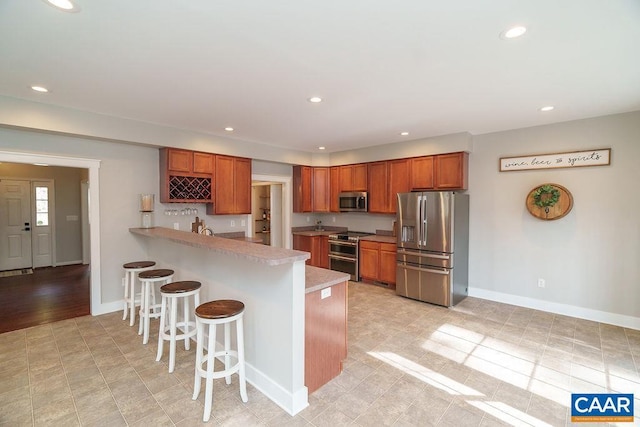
x: 427, y: 67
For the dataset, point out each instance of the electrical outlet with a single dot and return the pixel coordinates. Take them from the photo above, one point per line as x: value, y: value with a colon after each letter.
x: 176, y: 226
x: 308, y: 219
x: 333, y: 219
x: 243, y: 223
x: 233, y: 223
x: 325, y: 293
x: 541, y: 282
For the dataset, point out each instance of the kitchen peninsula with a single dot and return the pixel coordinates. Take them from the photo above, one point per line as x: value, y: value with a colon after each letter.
x: 273, y: 283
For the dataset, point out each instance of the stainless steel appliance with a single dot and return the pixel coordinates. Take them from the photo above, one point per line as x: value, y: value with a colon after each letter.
x: 433, y: 246
x: 353, y: 202
x: 344, y: 252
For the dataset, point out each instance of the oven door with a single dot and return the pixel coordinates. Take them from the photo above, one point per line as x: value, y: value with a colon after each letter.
x: 343, y: 248
x: 344, y: 264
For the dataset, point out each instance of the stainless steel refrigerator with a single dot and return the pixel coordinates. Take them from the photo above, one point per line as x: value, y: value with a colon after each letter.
x: 433, y: 246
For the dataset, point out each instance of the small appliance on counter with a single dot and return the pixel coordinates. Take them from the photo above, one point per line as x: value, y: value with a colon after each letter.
x: 433, y: 247
x: 344, y: 250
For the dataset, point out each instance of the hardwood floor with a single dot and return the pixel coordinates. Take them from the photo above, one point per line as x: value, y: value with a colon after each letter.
x: 48, y: 295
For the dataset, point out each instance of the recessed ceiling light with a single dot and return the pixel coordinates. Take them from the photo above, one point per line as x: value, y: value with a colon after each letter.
x: 321, y: 148
x: 40, y: 89
x: 315, y: 99
x: 547, y: 108
x: 229, y: 129
x: 40, y: 164
x: 404, y: 133
x: 66, y: 5
x: 513, y: 32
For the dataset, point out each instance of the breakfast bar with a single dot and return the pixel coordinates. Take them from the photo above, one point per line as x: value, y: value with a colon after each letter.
x: 273, y: 283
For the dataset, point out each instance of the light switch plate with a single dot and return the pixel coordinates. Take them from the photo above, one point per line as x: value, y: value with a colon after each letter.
x: 325, y: 293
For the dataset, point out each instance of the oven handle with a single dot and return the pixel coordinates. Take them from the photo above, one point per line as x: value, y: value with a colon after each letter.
x: 342, y: 243
x: 342, y: 258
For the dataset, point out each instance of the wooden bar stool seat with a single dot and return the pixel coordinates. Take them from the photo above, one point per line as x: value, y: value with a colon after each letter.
x: 131, y: 270
x: 148, y: 310
x: 213, y: 313
x: 169, y: 324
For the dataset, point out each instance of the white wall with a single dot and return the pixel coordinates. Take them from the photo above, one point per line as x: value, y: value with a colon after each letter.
x: 589, y: 258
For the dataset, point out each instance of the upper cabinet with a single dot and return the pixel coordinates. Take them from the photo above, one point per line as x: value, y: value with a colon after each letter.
x: 353, y: 177
x: 233, y: 186
x: 440, y: 172
x: 386, y: 179
x: 311, y: 189
x: 451, y: 171
x: 186, y: 176
x: 316, y: 189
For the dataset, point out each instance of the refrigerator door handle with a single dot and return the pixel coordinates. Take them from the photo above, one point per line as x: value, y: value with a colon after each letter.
x: 426, y: 270
x: 419, y: 220
x: 436, y: 256
x: 424, y: 220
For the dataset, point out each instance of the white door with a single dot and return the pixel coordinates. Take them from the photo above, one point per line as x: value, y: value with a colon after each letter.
x: 15, y: 224
x: 41, y: 230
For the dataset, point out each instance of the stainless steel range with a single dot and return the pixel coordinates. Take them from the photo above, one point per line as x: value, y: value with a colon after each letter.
x: 344, y: 252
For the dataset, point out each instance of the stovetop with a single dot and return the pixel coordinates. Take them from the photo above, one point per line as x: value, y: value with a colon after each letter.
x: 349, y: 235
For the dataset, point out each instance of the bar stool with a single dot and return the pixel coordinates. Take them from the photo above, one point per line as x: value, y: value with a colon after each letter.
x: 171, y: 293
x: 213, y: 313
x: 148, y: 279
x: 131, y: 270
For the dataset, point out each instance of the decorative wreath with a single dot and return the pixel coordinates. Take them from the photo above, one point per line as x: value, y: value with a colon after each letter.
x: 546, y: 196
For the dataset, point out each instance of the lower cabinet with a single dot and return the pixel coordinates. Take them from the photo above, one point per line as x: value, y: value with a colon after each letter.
x: 325, y: 343
x: 317, y: 246
x: 378, y: 262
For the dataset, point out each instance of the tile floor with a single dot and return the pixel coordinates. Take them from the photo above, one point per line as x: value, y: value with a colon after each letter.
x: 410, y: 364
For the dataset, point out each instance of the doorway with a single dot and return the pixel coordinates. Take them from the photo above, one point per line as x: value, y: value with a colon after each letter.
x: 93, y: 167
x: 276, y: 192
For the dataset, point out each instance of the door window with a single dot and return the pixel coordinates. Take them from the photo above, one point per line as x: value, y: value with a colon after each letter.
x: 42, y: 206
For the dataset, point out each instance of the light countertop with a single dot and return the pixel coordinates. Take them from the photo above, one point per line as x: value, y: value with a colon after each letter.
x: 380, y: 238
x: 252, y: 252
x: 319, y: 278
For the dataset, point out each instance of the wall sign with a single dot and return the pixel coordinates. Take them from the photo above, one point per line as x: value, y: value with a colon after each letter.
x: 599, y: 157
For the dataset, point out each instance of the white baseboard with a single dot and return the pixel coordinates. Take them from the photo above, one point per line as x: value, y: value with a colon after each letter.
x: 60, y: 264
x: 109, y: 307
x: 558, y: 308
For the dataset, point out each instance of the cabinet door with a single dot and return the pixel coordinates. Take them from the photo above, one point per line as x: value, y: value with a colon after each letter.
x: 369, y: 260
x: 302, y: 189
x: 334, y: 183
x: 378, y: 188
x: 360, y: 177
x: 346, y: 178
x: 242, y: 185
x: 451, y: 171
x: 422, y: 173
x: 321, y: 190
x: 388, y: 263
x: 224, y: 184
x: 320, y: 251
x: 302, y: 243
x: 398, y: 181
x: 203, y: 163
x: 180, y: 160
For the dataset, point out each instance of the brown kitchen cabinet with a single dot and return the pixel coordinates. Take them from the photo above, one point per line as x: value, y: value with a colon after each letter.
x: 440, y: 172
x: 311, y: 189
x: 334, y: 189
x: 451, y: 171
x: 353, y: 177
x: 317, y: 246
x: 233, y: 186
x: 325, y: 341
x: 186, y: 176
x: 378, y: 262
x: 386, y: 179
x: 321, y: 190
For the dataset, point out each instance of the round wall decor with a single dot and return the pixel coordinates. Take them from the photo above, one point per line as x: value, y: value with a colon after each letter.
x: 549, y: 201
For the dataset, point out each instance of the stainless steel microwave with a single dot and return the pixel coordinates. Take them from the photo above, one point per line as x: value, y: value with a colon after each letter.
x: 353, y: 202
